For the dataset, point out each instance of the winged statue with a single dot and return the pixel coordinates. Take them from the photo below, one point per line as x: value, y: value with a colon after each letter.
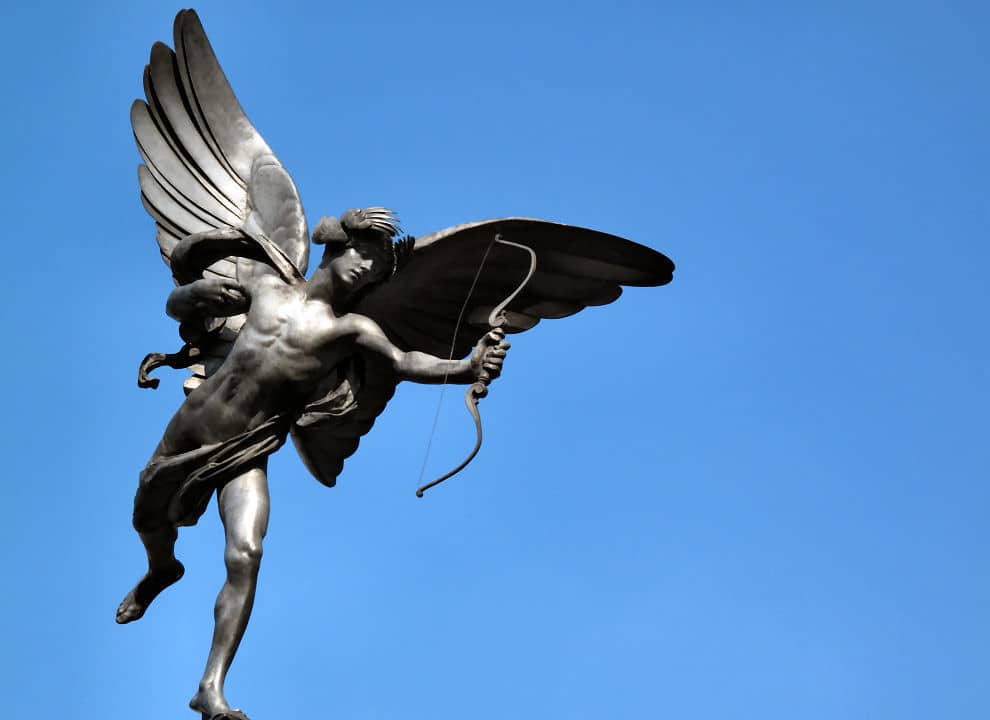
x: 272, y: 353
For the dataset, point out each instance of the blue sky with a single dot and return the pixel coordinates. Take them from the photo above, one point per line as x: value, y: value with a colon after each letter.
x: 758, y: 492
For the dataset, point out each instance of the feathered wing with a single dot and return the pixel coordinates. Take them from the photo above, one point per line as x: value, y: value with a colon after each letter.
x: 206, y: 169
x: 419, y: 307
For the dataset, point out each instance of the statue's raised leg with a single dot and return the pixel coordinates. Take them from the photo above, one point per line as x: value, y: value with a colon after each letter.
x: 163, y: 570
x: 244, y: 506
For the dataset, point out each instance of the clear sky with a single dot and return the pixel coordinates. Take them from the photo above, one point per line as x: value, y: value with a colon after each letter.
x: 758, y: 492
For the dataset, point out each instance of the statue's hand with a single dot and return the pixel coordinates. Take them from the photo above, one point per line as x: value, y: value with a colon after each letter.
x: 489, y: 354
x: 219, y: 297
x: 209, y: 297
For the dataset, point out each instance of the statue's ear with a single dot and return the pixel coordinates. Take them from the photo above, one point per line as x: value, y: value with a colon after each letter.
x: 329, y: 230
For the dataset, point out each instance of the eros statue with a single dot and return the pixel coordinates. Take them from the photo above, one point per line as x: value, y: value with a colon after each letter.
x: 273, y: 353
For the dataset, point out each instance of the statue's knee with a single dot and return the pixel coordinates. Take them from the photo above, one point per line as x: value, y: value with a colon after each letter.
x: 243, y: 556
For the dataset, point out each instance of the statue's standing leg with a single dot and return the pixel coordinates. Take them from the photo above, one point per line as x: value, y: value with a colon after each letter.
x: 244, y: 505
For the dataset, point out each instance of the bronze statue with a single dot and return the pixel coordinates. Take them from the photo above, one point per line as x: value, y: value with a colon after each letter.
x: 274, y: 354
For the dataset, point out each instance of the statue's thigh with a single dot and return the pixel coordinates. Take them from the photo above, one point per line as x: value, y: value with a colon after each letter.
x: 244, y: 505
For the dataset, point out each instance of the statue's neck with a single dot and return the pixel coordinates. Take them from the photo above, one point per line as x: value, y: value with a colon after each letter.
x: 321, y: 287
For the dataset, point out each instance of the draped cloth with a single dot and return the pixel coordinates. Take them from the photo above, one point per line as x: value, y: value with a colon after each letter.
x: 175, y: 490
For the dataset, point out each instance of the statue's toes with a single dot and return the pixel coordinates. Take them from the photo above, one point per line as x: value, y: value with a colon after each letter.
x: 128, y: 611
x: 228, y: 715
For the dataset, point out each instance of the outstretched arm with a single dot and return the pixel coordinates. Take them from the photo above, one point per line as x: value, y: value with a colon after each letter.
x: 420, y: 367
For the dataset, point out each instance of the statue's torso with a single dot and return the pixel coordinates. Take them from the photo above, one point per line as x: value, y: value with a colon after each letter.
x: 287, y: 345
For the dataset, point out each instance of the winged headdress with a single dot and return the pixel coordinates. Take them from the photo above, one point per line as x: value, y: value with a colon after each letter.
x: 224, y: 206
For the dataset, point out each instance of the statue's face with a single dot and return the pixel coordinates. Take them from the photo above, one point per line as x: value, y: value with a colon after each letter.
x: 360, y: 264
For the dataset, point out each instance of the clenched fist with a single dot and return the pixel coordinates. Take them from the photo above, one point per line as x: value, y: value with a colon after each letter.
x: 489, y: 354
x: 212, y: 297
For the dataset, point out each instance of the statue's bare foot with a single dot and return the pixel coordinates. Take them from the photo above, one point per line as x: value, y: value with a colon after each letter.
x: 213, y: 706
x: 139, y: 598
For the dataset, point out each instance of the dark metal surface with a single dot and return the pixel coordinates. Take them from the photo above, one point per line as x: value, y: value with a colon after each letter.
x: 274, y: 353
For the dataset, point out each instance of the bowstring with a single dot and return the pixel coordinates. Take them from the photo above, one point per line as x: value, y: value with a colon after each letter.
x: 450, y: 357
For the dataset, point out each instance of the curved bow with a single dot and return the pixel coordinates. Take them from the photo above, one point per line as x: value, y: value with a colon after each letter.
x: 479, y: 389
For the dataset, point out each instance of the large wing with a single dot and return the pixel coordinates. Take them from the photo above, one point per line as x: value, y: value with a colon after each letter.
x: 575, y: 268
x: 418, y: 308
x: 205, y: 167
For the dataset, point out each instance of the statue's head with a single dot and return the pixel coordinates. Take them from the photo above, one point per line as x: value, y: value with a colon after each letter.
x: 361, y: 248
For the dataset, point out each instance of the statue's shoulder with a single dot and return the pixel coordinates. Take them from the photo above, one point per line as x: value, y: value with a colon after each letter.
x: 269, y: 289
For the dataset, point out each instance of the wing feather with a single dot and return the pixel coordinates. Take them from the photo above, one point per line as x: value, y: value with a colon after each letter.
x: 211, y: 272
x: 225, y: 126
x: 169, y: 169
x: 166, y: 243
x: 225, y: 267
x: 568, y: 288
x: 548, y: 308
x: 170, y: 109
x: 174, y: 212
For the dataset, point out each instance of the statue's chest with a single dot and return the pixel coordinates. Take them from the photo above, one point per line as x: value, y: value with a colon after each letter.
x: 295, y: 327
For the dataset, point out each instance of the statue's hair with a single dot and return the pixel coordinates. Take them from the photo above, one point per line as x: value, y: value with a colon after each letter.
x: 372, y: 224
x: 328, y: 231
x: 371, y: 220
